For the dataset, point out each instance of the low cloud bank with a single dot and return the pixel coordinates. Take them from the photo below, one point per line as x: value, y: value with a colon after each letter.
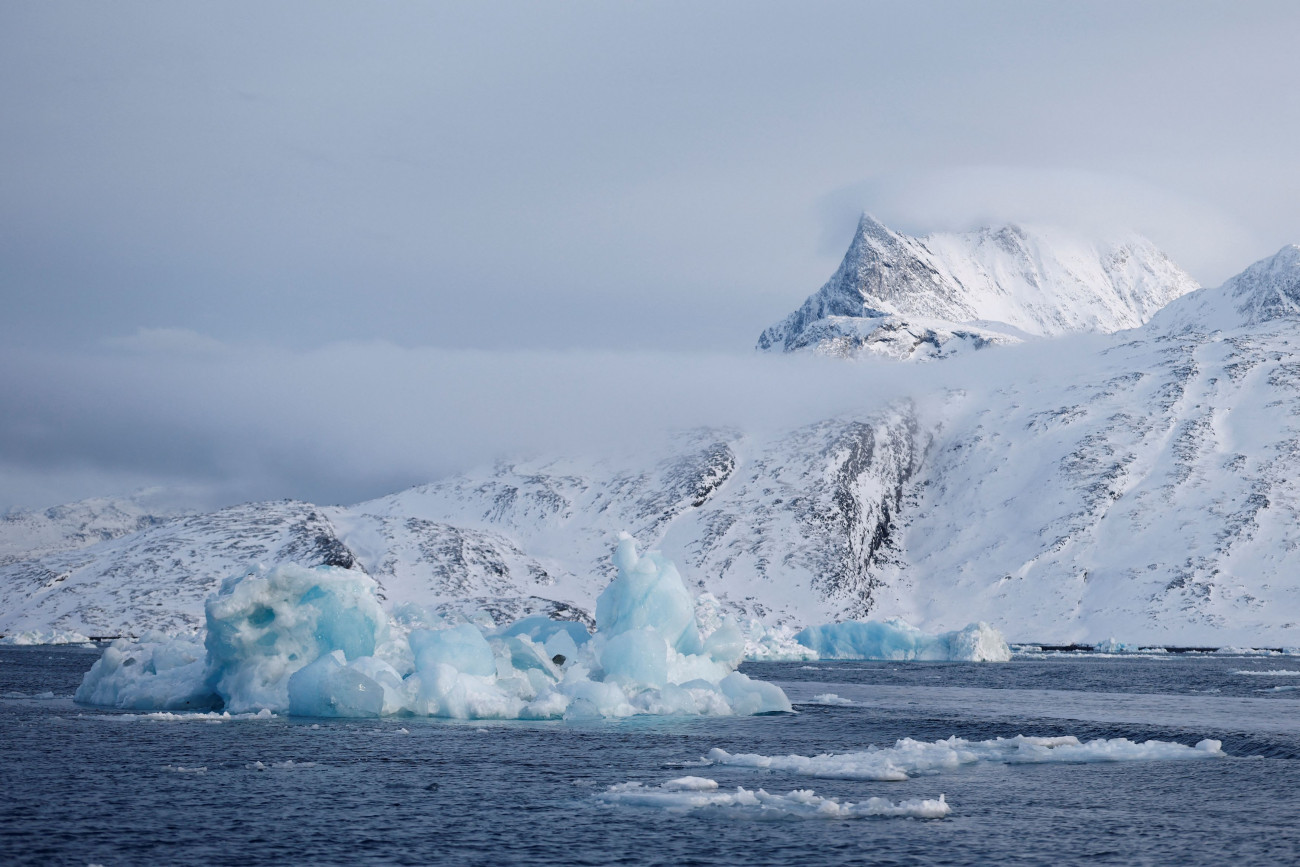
x: 343, y: 422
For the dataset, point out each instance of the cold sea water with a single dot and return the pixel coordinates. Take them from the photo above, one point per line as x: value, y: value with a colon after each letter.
x: 82, y: 785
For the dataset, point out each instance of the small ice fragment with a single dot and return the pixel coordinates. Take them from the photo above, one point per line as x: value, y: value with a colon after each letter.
x: 830, y: 698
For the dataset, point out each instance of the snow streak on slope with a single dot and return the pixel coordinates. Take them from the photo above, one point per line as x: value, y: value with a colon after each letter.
x: 907, y: 297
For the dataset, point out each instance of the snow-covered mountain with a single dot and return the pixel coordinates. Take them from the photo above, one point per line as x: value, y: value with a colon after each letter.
x: 1154, y: 491
x: 25, y: 533
x: 906, y: 297
x: 1146, y: 486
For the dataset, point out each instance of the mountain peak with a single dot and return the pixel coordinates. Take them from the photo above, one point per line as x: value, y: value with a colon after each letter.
x: 1009, y: 279
x: 1269, y: 289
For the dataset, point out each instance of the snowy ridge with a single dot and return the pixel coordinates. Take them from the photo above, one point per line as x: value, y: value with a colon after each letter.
x: 25, y: 533
x: 906, y: 297
x: 1265, y: 292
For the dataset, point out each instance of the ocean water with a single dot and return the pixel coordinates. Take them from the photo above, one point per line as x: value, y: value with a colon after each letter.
x: 82, y: 785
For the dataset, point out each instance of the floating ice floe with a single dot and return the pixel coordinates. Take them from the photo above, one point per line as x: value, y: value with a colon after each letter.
x: 697, y: 793
x: 1273, y: 672
x: 316, y: 642
x: 895, y: 639
x: 54, y: 636
x: 908, y: 757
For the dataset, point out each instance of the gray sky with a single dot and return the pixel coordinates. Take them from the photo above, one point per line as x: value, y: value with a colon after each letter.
x: 271, y: 180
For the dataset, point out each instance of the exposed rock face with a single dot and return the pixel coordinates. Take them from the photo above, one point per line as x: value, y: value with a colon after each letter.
x: 906, y: 297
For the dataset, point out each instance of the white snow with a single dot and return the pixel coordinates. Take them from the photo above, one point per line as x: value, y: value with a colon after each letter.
x: 908, y: 757
x: 695, y: 793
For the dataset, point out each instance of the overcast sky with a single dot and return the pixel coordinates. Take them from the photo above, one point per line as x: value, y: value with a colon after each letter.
x: 404, y: 182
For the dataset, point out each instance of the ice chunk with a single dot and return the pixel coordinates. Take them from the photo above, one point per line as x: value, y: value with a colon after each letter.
x: 315, y: 642
x: 138, y: 676
x: 696, y: 793
x: 896, y: 639
x: 637, y: 658
x: 541, y: 629
x: 462, y: 647
x: 328, y: 687
x: 908, y: 757
x: 831, y: 698
x: 265, y: 625
x: 648, y: 592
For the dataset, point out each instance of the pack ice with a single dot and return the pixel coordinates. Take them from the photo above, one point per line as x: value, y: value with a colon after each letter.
x: 316, y: 642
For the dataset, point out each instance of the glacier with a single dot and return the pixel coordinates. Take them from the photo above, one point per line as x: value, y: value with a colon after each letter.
x: 317, y: 642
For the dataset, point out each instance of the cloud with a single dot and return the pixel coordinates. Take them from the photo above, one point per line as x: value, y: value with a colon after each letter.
x: 1204, y: 239
x: 166, y: 341
x: 342, y: 422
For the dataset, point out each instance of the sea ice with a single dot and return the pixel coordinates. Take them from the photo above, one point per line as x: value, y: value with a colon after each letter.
x: 895, y: 639
x: 315, y: 642
x: 907, y: 757
x: 697, y: 793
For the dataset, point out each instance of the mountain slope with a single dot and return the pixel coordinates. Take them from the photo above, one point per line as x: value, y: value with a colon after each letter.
x: 1154, y: 493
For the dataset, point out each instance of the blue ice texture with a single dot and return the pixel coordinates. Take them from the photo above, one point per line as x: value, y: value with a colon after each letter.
x: 895, y: 639
x: 316, y: 642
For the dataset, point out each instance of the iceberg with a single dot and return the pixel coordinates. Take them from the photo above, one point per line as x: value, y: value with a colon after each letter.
x: 896, y: 639
x: 316, y: 642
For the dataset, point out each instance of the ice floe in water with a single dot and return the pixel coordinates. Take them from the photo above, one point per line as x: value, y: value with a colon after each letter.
x: 697, y: 793
x: 1273, y: 672
x: 316, y: 642
x: 54, y: 636
x: 908, y: 757
x: 896, y: 639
